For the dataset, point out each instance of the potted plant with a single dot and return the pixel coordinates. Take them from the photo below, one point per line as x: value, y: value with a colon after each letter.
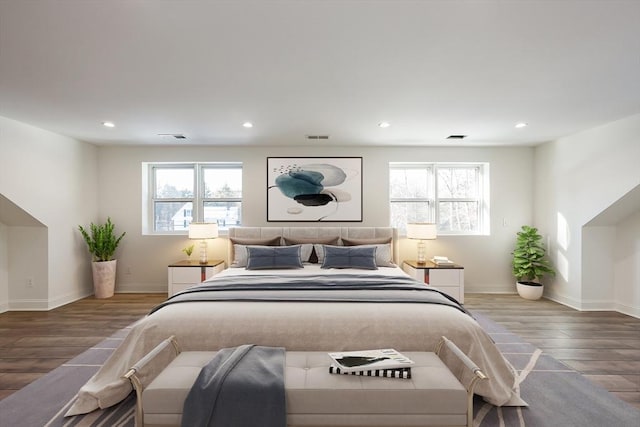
x: 102, y: 243
x: 529, y: 263
x: 188, y: 250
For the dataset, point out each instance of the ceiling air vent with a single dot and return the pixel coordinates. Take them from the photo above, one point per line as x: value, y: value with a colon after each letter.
x: 175, y: 135
x: 314, y: 137
x: 456, y: 136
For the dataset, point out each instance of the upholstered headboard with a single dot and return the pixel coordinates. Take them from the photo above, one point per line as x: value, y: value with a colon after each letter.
x: 321, y: 233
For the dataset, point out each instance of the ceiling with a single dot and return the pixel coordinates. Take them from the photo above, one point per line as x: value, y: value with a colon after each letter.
x: 339, y: 68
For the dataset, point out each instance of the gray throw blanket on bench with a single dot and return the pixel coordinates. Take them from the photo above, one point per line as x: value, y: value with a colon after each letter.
x: 240, y: 387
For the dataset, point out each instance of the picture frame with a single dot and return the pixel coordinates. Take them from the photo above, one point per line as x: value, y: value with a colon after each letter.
x: 314, y: 189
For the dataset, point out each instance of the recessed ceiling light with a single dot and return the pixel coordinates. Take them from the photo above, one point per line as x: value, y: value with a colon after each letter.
x: 521, y: 125
x: 247, y: 124
x: 108, y: 124
x: 384, y: 124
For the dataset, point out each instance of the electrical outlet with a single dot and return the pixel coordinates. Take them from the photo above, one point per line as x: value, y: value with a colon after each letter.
x: 29, y: 282
x: 127, y: 271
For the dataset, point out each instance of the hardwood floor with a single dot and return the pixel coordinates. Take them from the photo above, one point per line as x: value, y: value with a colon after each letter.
x: 35, y: 342
x: 604, y: 346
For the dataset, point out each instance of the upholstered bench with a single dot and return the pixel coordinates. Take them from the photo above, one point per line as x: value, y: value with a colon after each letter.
x: 432, y: 397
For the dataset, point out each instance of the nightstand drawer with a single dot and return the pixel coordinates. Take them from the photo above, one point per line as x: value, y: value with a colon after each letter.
x: 449, y: 280
x: 186, y: 274
x: 441, y: 277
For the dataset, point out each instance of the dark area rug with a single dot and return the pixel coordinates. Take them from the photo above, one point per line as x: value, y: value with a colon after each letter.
x: 557, y: 395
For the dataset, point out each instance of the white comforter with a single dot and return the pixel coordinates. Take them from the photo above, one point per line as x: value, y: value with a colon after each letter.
x: 315, y: 326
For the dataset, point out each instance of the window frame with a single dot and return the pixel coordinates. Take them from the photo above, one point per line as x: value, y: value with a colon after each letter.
x: 433, y: 203
x: 430, y: 199
x: 198, y: 200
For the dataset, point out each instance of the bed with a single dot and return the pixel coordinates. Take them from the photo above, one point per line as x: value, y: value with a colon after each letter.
x: 257, y: 301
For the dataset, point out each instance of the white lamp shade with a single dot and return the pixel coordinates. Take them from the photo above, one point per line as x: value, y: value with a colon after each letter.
x: 422, y: 231
x: 203, y: 230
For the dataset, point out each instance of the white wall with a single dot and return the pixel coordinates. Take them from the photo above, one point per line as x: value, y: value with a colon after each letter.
x: 578, y: 178
x: 4, y: 268
x: 63, y: 182
x: 28, y: 268
x: 142, y: 259
x: 626, y: 266
x: 598, y: 246
x: 54, y: 179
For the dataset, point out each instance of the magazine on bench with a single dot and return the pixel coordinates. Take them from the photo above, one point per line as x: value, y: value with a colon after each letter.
x: 369, y: 360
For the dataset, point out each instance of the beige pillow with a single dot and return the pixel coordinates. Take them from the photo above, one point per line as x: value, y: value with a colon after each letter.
x: 371, y: 241
x: 259, y: 241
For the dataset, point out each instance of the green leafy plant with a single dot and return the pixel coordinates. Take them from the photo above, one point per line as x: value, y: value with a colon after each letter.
x: 188, y: 250
x: 529, y: 262
x: 101, y: 240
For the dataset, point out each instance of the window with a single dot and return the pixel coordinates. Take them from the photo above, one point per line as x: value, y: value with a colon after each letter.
x: 452, y: 195
x: 411, y: 194
x: 179, y: 193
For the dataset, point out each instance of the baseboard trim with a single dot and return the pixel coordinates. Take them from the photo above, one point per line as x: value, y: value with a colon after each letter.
x: 29, y: 305
x: 629, y: 311
x: 46, y: 305
x: 142, y: 288
x: 489, y: 289
x: 68, y: 298
x: 598, y: 305
x: 569, y: 302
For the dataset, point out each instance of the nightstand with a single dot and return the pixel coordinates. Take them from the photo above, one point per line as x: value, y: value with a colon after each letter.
x: 183, y: 274
x: 449, y: 279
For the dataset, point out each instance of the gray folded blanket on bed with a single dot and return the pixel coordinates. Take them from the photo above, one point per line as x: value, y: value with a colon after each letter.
x: 314, y: 288
x: 241, y: 387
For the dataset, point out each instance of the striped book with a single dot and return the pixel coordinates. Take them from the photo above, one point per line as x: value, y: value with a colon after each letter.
x: 404, y: 373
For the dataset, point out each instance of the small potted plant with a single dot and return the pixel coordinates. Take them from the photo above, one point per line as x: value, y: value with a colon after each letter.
x: 188, y: 250
x: 102, y: 243
x: 529, y: 263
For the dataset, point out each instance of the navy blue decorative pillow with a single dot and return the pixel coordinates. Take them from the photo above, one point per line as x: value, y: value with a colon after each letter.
x: 273, y: 257
x: 360, y: 257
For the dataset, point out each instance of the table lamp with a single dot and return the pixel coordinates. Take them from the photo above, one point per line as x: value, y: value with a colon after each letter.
x: 421, y: 231
x: 203, y: 231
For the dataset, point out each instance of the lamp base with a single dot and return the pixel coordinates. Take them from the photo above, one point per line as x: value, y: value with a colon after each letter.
x: 421, y: 252
x: 203, y: 251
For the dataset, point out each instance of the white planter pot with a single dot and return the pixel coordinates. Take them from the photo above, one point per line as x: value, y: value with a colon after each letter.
x: 104, y: 278
x: 531, y: 292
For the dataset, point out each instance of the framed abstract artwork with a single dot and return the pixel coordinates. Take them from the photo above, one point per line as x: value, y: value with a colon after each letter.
x: 314, y: 189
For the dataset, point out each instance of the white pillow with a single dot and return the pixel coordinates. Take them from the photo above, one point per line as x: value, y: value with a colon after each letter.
x: 240, y: 256
x: 383, y: 255
x: 305, y: 251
